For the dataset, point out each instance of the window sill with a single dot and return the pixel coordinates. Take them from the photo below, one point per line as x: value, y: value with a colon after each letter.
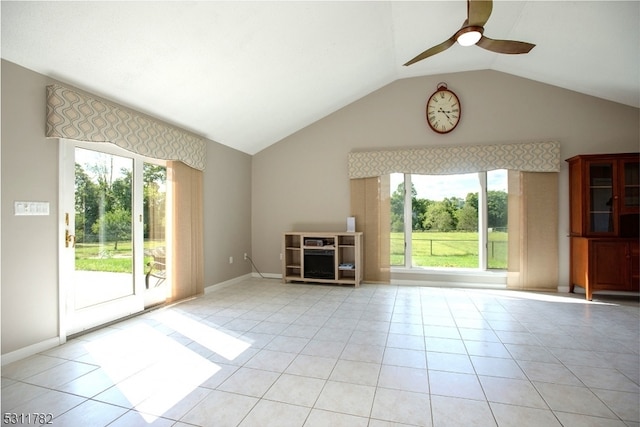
x: 449, y: 277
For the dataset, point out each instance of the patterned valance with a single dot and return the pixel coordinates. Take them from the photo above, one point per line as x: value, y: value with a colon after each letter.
x: 74, y: 115
x: 526, y: 157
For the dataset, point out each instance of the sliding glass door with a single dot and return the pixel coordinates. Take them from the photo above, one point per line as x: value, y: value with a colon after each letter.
x: 107, y: 207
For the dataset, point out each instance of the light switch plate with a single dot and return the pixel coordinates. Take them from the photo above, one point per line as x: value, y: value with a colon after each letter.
x: 31, y: 208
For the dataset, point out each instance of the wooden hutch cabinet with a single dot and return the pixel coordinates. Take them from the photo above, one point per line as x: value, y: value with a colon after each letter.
x: 604, y: 191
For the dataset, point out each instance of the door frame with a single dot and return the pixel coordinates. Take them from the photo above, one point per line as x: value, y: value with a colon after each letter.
x: 103, y: 313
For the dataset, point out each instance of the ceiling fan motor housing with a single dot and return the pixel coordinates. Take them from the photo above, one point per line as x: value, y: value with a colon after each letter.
x: 468, y: 36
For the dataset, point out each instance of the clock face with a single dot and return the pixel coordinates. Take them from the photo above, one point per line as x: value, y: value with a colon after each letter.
x: 443, y: 111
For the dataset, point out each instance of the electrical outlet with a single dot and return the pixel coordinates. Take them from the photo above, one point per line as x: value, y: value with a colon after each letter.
x: 280, y: 256
x: 230, y: 260
x: 245, y: 256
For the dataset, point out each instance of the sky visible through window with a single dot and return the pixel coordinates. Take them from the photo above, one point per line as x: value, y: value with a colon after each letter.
x: 106, y: 163
x: 438, y: 187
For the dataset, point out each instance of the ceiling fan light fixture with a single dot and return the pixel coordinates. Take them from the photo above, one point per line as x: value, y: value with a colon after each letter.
x: 472, y: 33
x: 468, y: 36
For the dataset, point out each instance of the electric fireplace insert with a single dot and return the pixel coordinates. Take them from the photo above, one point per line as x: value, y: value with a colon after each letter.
x: 319, y: 264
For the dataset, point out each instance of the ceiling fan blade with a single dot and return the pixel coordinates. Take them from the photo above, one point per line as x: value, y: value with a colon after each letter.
x: 511, y: 47
x: 432, y: 51
x: 478, y: 12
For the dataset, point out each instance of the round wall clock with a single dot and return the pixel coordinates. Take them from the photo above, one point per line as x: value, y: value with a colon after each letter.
x: 443, y: 110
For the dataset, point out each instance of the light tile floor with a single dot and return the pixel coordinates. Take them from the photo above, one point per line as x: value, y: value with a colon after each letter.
x: 261, y: 353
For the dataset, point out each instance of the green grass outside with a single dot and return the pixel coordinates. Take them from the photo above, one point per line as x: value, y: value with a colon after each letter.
x: 452, y: 249
x: 97, y: 257
x: 430, y: 249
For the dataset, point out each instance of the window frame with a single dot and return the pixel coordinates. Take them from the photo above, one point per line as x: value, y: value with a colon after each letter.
x: 483, y: 231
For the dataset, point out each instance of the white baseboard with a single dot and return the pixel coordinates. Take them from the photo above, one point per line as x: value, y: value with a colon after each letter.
x: 226, y: 283
x: 266, y: 275
x: 254, y: 275
x: 30, y: 350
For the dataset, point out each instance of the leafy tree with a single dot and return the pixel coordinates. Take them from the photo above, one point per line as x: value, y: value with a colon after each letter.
x: 418, y: 209
x: 497, y: 209
x: 472, y: 199
x: 452, y: 205
x: 114, y: 225
x: 439, y: 217
x: 467, y: 218
x: 121, y: 190
x: 154, y: 201
x: 467, y: 214
x: 102, y: 202
x: 397, y: 208
x: 453, y: 213
x: 86, y: 203
x: 99, y: 193
x: 102, y: 173
x: 154, y: 173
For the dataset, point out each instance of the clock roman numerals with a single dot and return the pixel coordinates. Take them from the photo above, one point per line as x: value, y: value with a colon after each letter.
x: 443, y: 110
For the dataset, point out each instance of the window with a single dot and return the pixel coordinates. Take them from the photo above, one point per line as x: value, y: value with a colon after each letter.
x: 449, y: 221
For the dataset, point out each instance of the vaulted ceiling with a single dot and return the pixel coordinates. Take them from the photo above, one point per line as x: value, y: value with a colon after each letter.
x: 247, y: 74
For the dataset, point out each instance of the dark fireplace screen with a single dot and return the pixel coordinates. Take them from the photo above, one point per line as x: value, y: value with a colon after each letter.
x: 319, y: 264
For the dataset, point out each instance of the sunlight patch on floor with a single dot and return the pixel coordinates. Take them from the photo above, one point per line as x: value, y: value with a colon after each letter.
x: 164, y: 371
x: 217, y: 341
x: 540, y: 296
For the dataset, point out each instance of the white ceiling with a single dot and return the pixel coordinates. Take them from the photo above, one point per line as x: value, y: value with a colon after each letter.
x: 247, y: 74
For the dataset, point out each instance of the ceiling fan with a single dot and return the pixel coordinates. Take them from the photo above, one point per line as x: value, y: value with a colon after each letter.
x: 478, y: 12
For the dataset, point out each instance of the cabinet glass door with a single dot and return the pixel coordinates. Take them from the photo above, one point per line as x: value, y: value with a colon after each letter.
x: 601, y: 198
x: 630, y: 187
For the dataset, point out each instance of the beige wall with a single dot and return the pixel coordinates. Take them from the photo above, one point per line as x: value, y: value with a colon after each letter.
x: 299, y: 183
x: 29, y: 244
x: 29, y: 171
x: 302, y: 182
x: 227, y: 214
